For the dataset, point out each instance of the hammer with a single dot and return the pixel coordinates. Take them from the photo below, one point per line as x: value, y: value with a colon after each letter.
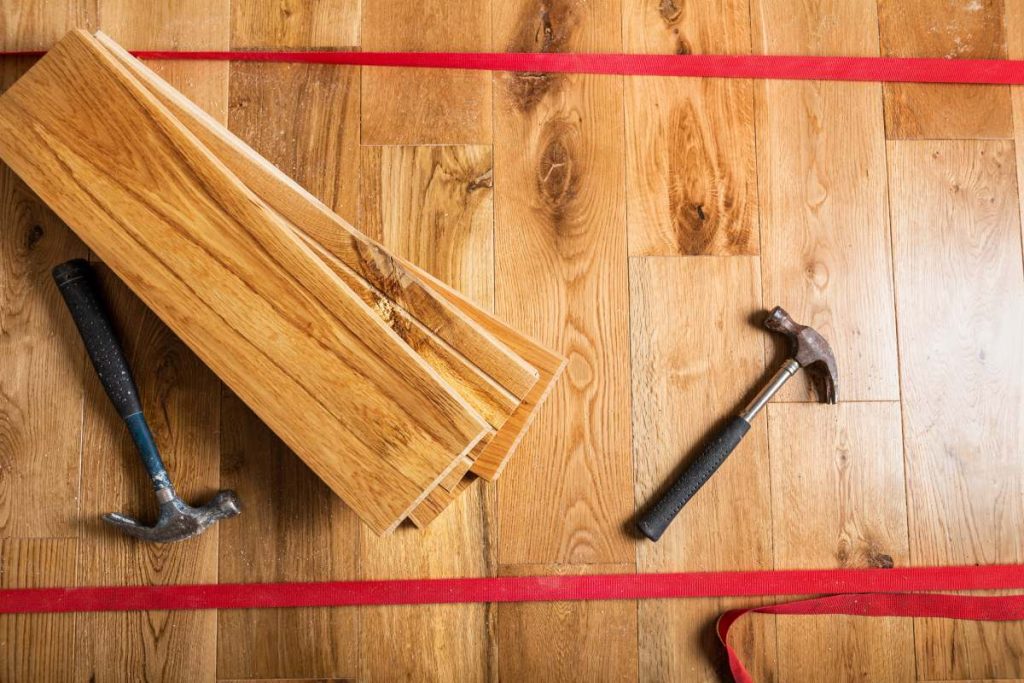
x: 810, y: 351
x: 178, y: 520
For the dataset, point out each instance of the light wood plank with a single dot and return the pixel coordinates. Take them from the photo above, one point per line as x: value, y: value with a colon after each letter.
x: 338, y: 341
x: 960, y: 296
x: 181, y: 399
x: 691, y: 183
x: 426, y: 106
x: 567, y: 641
x: 695, y: 360
x: 37, y: 647
x: 560, y: 249
x: 840, y: 502
x: 954, y: 30
x: 38, y: 24
x: 320, y: 24
x: 1015, y: 46
x: 461, y: 325
x: 824, y: 216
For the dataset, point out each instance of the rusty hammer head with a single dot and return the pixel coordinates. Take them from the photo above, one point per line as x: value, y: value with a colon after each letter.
x: 810, y: 350
x: 178, y: 520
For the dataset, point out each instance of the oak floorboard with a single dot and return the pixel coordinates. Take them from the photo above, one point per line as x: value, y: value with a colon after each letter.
x: 1015, y: 46
x: 567, y: 641
x: 295, y: 24
x: 695, y: 360
x: 426, y: 106
x: 560, y: 250
x: 39, y: 24
x: 691, y: 177
x: 37, y: 647
x: 825, y: 252
x: 840, y: 502
x: 954, y: 30
x: 957, y: 249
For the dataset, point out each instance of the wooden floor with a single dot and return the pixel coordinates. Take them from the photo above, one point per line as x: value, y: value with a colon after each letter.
x: 639, y: 225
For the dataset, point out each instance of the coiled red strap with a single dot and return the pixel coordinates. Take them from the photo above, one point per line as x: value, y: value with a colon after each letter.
x: 785, y: 67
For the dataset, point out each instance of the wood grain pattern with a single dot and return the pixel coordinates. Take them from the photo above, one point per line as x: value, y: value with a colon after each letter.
x: 825, y: 252
x: 567, y: 641
x: 954, y: 30
x: 320, y: 24
x: 393, y: 279
x: 694, y: 362
x: 691, y: 182
x: 560, y: 249
x: 841, y: 503
x: 38, y: 24
x: 956, y: 241
x: 37, y: 647
x: 181, y: 399
x: 1015, y: 46
x: 231, y: 245
x: 416, y: 106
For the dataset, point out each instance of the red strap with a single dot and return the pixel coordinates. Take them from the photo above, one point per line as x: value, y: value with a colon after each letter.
x: 511, y: 589
x: 977, y: 608
x: 886, y: 69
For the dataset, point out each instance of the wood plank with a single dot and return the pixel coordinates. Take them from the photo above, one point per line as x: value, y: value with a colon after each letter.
x: 460, y: 328
x: 840, y: 501
x: 825, y: 250
x: 560, y: 249
x: 567, y: 641
x: 954, y: 30
x: 37, y: 647
x: 1015, y: 46
x: 957, y: 249
x: 691, y: 183
x: 389, y: 391
x: 695, y: 360
x: 181, y: 398
x: 322, y: 24
x: 292, y: 529
x: 426, y: 106
x: 38, y: 24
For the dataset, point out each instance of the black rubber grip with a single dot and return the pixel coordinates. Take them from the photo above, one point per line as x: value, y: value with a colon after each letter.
x: 77, y: 285
x: 656, y: 520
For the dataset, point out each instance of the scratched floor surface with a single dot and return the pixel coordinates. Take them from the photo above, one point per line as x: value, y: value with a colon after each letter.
x: 639, y: 225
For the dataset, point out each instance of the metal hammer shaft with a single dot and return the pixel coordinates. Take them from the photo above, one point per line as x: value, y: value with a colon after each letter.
x: 660, y: 515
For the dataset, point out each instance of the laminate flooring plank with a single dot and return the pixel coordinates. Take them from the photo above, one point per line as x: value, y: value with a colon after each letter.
x: 433, y: 206
x: 691, y: 183
x: 560, y: 250
x: 37, y: 647
x: 952, y: 29
x: 957, y: 249
x: 695, y: 360
x: 181, y: 399
x: 391, y: 391
x: 446, y: 314
x: 825, y: 252
x: 839, y: 501
x: 38, y: 24
x: 1015, y: 45
x: 426, y: 106
x: 40, y: 386
x: 295, y: 24
x: 567, y: 641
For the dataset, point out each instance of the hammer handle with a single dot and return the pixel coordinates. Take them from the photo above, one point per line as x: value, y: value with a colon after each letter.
x: 660, y: 515
x: 76, y: 283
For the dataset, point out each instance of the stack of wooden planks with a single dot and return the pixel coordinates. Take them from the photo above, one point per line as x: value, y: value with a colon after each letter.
x: 395, y: 389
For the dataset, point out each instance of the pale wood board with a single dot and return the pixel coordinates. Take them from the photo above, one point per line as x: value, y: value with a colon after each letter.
x: 37, y: 647
x: 181, y: 399
x: 954, y: 30
x: 304, y: 119
x: 297, y: 24
x: 415, y: 106
x: 38, y: 24
x: 567, y: 641
x: 825, y: 253
x: 382, y: 272
x: 960, y: 297
x: 691, y: 177
x: 686, y: 380
x: 212, y: 296
x: 1015, y: 46
x: 560, y: 250
x: 844, y: 506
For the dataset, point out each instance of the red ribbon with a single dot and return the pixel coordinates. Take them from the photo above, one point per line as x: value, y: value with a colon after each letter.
x: 884, y: 69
